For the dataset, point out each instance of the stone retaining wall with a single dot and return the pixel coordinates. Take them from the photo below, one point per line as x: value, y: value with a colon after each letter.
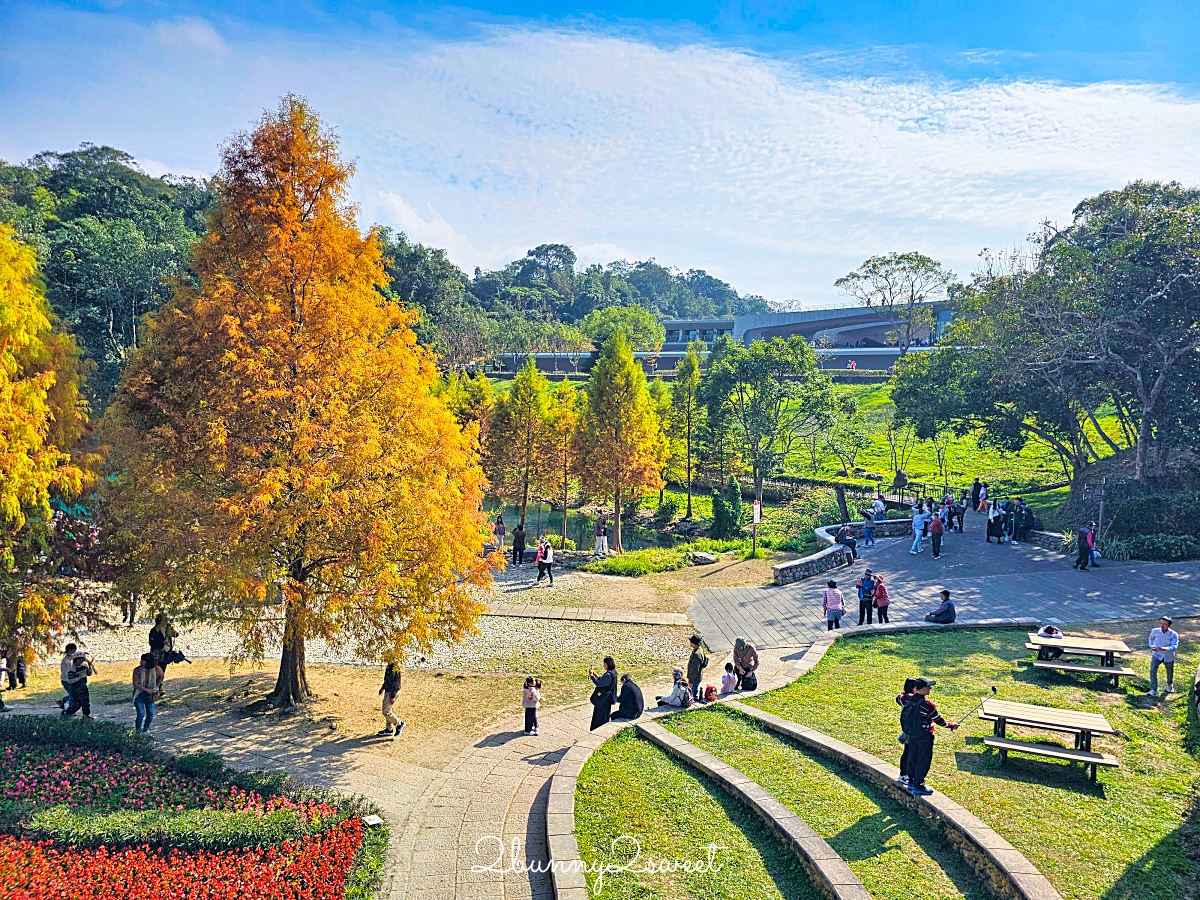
x: 827, y: 871
x: 806, y: 567
x: 884, y: 528
x: 1003, y: 868
x: 1049, y: 540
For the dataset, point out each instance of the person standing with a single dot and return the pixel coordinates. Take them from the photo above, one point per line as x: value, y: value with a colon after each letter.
x: 77, y: 678
x: 882, y: 600
x: 918, y: 718
x: 696, y: 665
x: 392, y: 726
x: 147, y: 684
x: 601, y: 535
x: 879, y: 507
x: 162, y: 641
x: 904, y: 697
x: 834, y: 605
x: 546, y: 560
x: 976, y: 487
x: 868, y: 527
x: 745, y: 662
x: 531, y: 699
x: 64, y: 668
x: 1083, y: 548
x: 604, y: 693
x: 918, y: 527
x: 1093, y: 553
x: 866, y: 597
x: 500, y: 532
x: 1164, y: 643
x: 936, y: 529
x: 518, y: 548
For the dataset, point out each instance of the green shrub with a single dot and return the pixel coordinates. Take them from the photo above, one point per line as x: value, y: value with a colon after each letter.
x: 1163, y: 547
x: 54, y: 731
x: 641, y: 562
x: 668, y: 511
x: 203, y: 764
x: 191, y: 829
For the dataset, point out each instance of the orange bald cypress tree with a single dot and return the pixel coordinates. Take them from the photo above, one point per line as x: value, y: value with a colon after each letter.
x: 283, y: 466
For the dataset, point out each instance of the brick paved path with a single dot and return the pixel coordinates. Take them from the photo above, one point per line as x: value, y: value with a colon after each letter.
x: 986, y: 581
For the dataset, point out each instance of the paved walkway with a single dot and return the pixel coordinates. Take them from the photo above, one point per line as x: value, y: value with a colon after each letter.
x: 986, y: 581
x: 587, y: 614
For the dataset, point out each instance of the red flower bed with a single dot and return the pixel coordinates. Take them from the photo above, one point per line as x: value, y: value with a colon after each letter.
x: 312, y: 869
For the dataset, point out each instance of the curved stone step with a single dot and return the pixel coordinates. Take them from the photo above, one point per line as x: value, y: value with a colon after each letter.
x: 827, y: 870
x: 1004, y: 868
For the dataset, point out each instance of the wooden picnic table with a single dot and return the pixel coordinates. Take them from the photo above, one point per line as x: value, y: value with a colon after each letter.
x: 1104, y: 648
x: 1082, y: 725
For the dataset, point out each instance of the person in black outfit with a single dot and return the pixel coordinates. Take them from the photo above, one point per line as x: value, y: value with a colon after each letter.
x: 918, y: 732
x: 845, y: 537
x: 605, y: 694
x: 631, y: 705
x: 866, y: 597
x: 518, y: 550
x: 1084, y: 549
x: 975, y: 486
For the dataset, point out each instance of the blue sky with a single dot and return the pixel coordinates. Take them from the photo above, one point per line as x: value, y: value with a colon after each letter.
x: 773, y: 144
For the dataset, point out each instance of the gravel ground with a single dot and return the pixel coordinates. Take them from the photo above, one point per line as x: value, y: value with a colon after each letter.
x: 503, y: 645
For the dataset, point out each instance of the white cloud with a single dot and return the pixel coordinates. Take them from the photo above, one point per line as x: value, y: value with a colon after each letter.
x: 190, y: 32
x: 753, y: 168
x: 157, y: 169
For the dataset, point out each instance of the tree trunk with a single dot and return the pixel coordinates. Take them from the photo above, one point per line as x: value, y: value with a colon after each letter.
x: 689, y: 467
x: 1139, y: 458
x: 566, y: 462
x: 616, y: 545
x: 291, y: 687
x: 840, y: 491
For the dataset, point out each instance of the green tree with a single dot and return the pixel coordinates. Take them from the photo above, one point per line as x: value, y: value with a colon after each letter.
x: 769, y: 390
x: 641, y: 327
x: 566, y: 406
x: 515, y: 435
x: 900, y: 286
x: 621, y: 450
x: 686, y: 410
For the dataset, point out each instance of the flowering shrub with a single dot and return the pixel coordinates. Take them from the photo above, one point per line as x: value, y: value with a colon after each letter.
x: 313, y: 868
x: 92, y: 809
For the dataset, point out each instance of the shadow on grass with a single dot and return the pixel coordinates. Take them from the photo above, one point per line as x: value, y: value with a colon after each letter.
x: 1065, y: 776
x: 1169, y: 871
x: 1049, y: 678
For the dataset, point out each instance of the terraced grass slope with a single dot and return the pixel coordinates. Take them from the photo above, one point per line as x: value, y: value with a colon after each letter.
x: 1122, y: 839
x: 894, y: 853
x: 631, y: 789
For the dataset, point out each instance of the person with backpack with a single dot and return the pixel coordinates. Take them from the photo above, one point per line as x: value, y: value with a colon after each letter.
x: 882, y: 600
x: 917, y: 720
x: 604, y: 693
x: 905, y: 696
x: 868, y: 527
x: 697, y: 662
x: 681, y: 693
x: 147, y: 685
x: 866, y: 597
x: 1083, y: 550
x: 81, y: 698
x: 833, y: 605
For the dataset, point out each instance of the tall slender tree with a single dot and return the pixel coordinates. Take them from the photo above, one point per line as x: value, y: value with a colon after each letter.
x: 281, y: 463
x: 686, y: 410
x: 558, y: 446
x: 621, y: 448
x: 514, y: 462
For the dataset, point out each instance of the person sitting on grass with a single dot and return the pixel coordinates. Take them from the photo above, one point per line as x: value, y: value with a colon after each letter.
x: 681, y: 694
x: 1048, y: 653
x: 944, y: 614
x: 630, y: 704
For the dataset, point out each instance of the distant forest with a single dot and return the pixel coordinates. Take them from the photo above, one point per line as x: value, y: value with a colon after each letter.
x: 112, y: 240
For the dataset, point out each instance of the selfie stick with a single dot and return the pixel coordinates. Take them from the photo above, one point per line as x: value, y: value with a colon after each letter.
x: 976, y: 706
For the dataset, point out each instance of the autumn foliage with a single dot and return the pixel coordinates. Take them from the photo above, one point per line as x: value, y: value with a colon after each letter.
x: 282, y: 463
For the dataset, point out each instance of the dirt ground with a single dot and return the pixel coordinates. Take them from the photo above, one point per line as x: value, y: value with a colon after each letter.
x: 658, y: 592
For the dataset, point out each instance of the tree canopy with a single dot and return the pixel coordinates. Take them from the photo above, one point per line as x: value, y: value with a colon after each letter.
x: 281, y: 463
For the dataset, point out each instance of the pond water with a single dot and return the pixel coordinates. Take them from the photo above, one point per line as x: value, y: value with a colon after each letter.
x: 542, y: 518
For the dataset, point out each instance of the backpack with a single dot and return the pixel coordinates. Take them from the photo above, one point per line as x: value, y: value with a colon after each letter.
x: 910, y: 717
x: 750, y: 682
x: 710, y: 694
x: 688, y: 699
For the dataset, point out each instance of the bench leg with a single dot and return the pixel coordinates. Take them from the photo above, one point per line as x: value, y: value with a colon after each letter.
x: 1093, y: 774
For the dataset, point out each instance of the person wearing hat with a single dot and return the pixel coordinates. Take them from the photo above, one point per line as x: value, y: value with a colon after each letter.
x: 745, y: 663
x: 680, y: 695
x: 917, y: 719
x: 1083, y: 540
x: 1164, y: 642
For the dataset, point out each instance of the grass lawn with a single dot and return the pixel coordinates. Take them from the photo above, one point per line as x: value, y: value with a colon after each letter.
x: 888, y: 847
x: 631, y: 788
x: 1121, y: 839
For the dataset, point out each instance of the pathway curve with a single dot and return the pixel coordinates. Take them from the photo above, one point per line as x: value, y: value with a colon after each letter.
x: 987, y: 581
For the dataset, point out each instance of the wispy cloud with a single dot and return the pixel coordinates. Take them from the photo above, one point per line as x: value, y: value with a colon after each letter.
x: 190, y: 33
x: 753, y: 167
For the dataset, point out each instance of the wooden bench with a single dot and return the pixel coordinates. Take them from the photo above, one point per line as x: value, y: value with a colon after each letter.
x: 1069, y: 651
x: 1113, y: 672
x: 1089, y: 759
